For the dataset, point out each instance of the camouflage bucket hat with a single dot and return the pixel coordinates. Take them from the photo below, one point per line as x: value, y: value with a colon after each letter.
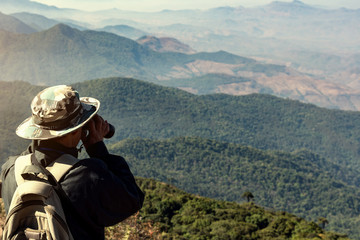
x: 57, y: 111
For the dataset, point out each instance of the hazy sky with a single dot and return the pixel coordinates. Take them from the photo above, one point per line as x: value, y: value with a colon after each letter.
x: 158, y: 5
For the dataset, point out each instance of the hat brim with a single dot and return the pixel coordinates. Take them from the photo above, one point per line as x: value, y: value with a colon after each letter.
x: 29, y: 130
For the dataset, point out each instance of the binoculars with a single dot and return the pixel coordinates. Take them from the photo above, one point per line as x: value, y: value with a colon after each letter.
x: 110, y: 133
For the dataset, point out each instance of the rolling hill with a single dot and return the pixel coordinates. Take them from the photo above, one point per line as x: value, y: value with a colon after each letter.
x: 297, y: 87
x: 313, y: 40
x: 36, y: 21
x: 165, y: 44
x: 262, y: 121
x: 125, y: 31
x: 178, y: 215
x: 12, y: 24
x: 142, y: 109
x: 64, y: 54
x: 301, y: 182
x: 67, y: 55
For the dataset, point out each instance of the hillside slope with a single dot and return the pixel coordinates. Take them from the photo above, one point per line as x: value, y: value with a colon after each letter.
x: 141, y: 109
x: 16, y: 97
x: 301, y: 182
x: 36, y: 21
x: 125, y: 31
x: 165, y: 44
x: 12, y: 24
x: 179, y: 215
x: 67, y: 55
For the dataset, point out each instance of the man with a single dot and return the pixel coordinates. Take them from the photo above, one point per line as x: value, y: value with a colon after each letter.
x: 101, y: 188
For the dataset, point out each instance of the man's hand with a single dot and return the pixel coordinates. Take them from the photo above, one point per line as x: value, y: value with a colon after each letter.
x: 97, y: 129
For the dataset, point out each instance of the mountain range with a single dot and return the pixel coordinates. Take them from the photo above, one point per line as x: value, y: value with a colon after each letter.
x: 290, y: 32
x: 65, y: 54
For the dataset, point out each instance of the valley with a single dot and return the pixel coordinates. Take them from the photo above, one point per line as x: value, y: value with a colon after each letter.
x: 214, y: 102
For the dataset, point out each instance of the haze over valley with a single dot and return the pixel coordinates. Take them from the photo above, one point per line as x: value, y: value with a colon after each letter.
x: 302, y: 52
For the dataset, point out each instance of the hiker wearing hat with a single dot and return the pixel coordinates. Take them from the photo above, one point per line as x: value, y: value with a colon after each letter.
x: 101, y: 189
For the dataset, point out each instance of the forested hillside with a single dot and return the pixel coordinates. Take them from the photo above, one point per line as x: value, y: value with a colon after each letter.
x: 16, y: 98
x: 141, y: 109
x: 179, y: 215
x: 302, y: 183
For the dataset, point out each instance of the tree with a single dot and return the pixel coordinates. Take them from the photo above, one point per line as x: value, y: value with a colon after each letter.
x: 322, y: 222
x: 248, y: 195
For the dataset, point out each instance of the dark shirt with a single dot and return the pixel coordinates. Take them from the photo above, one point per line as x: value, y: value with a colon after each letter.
x: 101, y: 188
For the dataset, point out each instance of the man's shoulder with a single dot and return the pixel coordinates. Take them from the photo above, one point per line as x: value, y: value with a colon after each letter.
x: 84, y: 174
x: 10, y: 162
x: 90, y: 164
x: 8, y: 182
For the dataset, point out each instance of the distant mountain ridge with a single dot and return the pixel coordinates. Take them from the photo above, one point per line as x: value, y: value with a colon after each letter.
x: 295, y: 7
x: 11, y: 6
x: 11, y: 24
x: 165, y: 44
x: 125, y: 31
x: 36, y: 21
x: 238, y: 31
x: 67, y: 55
x: 113, y: 55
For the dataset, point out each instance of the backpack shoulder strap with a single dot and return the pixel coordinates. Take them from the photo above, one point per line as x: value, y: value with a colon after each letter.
x: 57, y: 168
x: 20, y: 164
x: 62, y: 165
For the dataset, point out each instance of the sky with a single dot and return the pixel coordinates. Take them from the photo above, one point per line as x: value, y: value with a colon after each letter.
x: 158, y: 5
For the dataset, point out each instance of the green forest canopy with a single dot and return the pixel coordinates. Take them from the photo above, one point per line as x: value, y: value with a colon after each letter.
x: 179, y: 215
x: 302, y: 183
x: 141, y: 109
